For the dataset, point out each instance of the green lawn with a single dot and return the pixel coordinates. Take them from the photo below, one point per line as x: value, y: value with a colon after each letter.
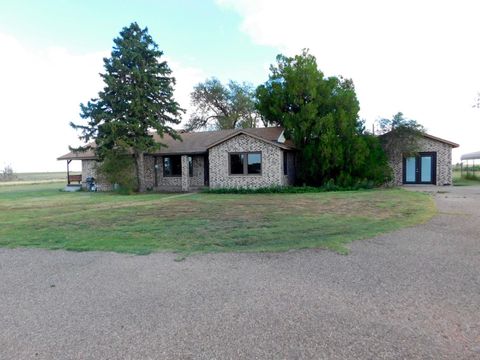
x: 458, y: 180
x: 44, y: 217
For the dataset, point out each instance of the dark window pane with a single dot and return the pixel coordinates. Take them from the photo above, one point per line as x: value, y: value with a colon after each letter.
x: 190, y: 166
x: 167, y: 167
x: 254, y: 163
x: 285, y: 163
x: 176, y: 165
x: 236, y: 164
x: 172, y: 166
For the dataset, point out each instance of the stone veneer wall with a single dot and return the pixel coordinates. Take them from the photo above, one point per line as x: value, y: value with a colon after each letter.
x: 174, y: 183
x: 444, y: 161
x: 272, y: 164
x: 89, y: 168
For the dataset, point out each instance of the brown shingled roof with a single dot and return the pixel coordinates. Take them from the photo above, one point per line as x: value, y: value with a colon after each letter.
x: 200, y: 142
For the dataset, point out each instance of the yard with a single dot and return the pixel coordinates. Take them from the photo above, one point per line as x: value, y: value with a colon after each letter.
x: 41, y: 216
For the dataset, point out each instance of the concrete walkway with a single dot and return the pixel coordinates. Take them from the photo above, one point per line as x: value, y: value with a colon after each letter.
x: 412, y: 294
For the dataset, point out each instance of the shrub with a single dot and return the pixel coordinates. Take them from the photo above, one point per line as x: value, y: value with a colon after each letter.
x: 118, y: 168
x: 7, y: 174
x: 329, y: 186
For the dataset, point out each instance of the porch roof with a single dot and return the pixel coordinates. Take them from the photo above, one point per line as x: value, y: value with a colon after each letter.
x: 471, y: 156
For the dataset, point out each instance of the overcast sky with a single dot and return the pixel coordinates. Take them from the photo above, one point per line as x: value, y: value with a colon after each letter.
x: 418, y: 57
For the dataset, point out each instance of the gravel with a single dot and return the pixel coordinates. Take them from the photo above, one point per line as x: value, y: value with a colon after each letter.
x: 411, y: 294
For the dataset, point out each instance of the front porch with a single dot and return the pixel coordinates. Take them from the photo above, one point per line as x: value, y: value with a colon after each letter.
x: 177, y: 173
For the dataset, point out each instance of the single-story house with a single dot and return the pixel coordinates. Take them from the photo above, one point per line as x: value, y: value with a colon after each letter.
x: 259, y: 157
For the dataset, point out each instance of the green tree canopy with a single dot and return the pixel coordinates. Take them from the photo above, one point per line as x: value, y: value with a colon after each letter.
x: 320, y: 115
x: 137, y: 98
x: 221, y: 106
x: 400, y: 134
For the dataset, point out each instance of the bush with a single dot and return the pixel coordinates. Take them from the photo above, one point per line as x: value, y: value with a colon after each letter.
x: 471, y: 177
x: 7, y: 174
x: 118, y: 168
x: 329, y: 186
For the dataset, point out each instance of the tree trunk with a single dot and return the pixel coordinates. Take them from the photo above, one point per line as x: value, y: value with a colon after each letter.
x: 140, y: 162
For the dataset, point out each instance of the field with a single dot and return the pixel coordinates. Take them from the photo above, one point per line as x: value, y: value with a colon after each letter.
x: 38, y: 178
x: 43, y: 216
x: 458, y: 180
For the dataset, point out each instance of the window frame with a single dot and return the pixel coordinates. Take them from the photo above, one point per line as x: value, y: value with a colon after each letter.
x: 190, y: 165
x: 163, y: 166
x: 245, y: 163
x: 285, y: 163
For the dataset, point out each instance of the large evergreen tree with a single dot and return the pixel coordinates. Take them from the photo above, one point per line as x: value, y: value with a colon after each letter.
x: 137, y: 98
x: 320, y: 115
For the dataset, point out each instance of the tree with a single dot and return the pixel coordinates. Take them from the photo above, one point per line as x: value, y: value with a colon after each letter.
x: 7, y: 174
x: 137, y: 98
x: 400, y: 134
x: 118, y: 167
x: 223, y: 107
x: 320, y: 115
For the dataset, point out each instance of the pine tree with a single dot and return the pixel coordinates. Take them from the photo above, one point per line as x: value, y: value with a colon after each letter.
x: 137, y: 98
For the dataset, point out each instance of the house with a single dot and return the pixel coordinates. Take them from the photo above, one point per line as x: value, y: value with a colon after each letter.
x: 259, y: 157
x: 432, y: 165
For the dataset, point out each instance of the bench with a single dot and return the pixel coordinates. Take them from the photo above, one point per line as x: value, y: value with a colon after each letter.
x: 74, y: 178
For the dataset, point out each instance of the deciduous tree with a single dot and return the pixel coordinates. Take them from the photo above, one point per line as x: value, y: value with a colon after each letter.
x: 400, y: 134
x: 320, y: 115
x: 221, y: 106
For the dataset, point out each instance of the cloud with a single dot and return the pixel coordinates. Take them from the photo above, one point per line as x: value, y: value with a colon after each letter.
x: 40, y: 93
x: 418, y: 57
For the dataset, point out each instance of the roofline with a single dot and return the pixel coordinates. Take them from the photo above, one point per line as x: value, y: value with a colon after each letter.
x: 66, y: 157
x: 451, y: 143
x: 243, y: 132
x: 428, y: 136
x: 471, y: 156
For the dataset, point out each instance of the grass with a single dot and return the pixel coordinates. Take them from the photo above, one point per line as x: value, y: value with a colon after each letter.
x: 38, y: 178
x: 41, y: 216
x: 459, y: 180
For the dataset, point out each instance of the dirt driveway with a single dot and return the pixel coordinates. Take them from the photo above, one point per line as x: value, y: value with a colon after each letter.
x: 412, y: 294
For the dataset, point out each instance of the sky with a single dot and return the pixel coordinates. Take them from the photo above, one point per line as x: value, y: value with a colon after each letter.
x: 418, y: 57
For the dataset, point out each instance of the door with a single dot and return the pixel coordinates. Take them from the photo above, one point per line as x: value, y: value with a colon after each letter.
x: 420, y: 169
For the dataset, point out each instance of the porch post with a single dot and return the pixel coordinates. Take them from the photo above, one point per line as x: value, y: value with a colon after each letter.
x: 185, y: 177
x: 68, y: 171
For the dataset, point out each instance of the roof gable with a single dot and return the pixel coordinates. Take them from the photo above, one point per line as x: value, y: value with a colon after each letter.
x: 200, y: 142
x: 255, y: 136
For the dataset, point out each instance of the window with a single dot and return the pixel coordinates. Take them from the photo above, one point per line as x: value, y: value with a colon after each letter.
x: 190, y: 166
x: 254, y: 163
x: 245, y: 163
x: 172, y: 165
x: 285, y: 163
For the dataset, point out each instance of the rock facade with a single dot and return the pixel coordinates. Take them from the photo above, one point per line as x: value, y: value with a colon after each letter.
x: 175, y: 183
x: 218, y: 168
x: 272, y: 164
x: 444, y: 161
x: 89, y: 169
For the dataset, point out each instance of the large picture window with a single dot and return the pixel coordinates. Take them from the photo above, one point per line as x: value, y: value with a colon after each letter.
x: 172, y: 165
x: 246, y: 163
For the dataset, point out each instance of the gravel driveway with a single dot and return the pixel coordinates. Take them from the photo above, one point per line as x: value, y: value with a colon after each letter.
x: 412, y: 294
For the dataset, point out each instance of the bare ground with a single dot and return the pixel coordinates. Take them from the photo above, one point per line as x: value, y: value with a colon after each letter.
x: 411, y: 294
